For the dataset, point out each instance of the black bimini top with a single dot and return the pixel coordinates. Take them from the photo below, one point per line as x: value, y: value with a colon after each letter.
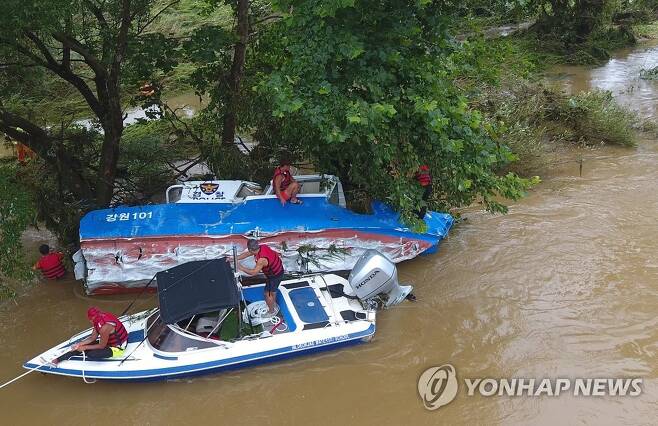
x: 195, y: 288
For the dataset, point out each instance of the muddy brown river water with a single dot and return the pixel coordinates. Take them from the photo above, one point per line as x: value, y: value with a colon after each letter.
x: 564, y: 286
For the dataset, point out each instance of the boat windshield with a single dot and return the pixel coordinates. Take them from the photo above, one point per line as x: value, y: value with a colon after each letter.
x: 167, y: 339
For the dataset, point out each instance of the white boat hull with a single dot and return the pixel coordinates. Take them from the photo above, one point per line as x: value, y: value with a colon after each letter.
x: 315, y: 320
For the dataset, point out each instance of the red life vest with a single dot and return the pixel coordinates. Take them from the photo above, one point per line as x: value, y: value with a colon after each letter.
x: 423, y: 176
x: 274, y: 265
x: 51, y: 266
x: 119, y: 336
x: 286, y: 177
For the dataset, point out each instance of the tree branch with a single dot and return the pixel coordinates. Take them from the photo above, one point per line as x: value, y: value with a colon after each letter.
x: 50, y: 63
x: 177, y: 119
x: 122, y: 41
x: 267, y: 18
x: 30, y: 135
x: 150, y: 21
x: 98, y: 13
x: 41, y: 46
x: 18, y: 64
x: 77, y: 47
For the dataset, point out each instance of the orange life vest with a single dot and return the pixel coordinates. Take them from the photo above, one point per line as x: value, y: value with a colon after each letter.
x: 274, y: 265
x: 286, y: 177
x: 119, y: 336
x: 423, y: 176
x: 51, y: 266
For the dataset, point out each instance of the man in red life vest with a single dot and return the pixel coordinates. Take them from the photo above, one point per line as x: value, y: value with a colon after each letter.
x: 108, y: 339
x: 269, y: 263
x: 285, y: 186
x: 50, y: 264
x: 424, y: 178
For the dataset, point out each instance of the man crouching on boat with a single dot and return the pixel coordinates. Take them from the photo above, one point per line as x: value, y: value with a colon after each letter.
x: 285, y: 186
x: 108, y: 339
x: 269, y: 263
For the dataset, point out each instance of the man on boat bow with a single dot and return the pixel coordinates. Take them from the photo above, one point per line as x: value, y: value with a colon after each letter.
x: 108, y: 338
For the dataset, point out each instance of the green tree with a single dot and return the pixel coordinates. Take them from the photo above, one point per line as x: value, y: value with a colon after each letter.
x: 363, y: 89
x: 220, y: 54
x: 16, y: 213
x: 96, y: 48
x: 580, y: 17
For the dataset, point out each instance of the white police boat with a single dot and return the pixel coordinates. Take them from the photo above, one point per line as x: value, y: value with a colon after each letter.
x: 206, y: 321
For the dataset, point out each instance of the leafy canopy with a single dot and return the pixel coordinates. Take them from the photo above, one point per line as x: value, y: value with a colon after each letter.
x: 365, y: 86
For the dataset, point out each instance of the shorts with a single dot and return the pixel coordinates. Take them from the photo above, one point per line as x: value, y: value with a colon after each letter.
x: 116, y: 351
x: 272, y: 283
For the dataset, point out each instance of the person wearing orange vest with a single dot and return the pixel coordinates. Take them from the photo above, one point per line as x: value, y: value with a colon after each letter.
x: 108, y: 339
x: 285, y: 186
x: 50, y: 264
x: 147, y: 89
x: 24, y: 153
x: 424, y: 179
x: 269, y: 263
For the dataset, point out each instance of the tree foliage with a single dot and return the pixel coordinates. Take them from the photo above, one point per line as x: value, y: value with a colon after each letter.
x: 368, y: 90
x: 16, y: 213
x: 363, y: 88
x: 96, y: 48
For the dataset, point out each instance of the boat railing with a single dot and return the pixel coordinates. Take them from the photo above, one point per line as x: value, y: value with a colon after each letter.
x: 172, y: 187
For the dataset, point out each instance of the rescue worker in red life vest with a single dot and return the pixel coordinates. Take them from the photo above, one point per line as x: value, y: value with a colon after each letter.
x: 50, y: 264
x: 285, y: 186
x: 108, y: 338
x: 269, y: 263
x: 424, y: 178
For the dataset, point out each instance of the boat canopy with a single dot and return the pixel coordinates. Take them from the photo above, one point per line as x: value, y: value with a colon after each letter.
x: 195, y: 288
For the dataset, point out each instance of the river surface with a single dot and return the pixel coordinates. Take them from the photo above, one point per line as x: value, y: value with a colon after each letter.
x: 564, y: 286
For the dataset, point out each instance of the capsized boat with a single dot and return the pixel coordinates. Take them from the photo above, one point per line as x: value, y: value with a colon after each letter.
x: 201, y: 327
x: 123, y: 247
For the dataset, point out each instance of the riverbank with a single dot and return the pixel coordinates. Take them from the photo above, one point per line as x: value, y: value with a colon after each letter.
x: 531, y: 106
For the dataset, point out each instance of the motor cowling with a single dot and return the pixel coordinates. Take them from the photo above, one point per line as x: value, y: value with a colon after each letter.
x: 375, y: 276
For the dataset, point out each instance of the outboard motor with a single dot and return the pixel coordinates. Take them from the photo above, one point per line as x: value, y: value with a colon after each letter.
x: 375, y: 275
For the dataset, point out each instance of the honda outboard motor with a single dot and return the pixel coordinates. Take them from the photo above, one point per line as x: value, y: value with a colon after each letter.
x: 375, y: 275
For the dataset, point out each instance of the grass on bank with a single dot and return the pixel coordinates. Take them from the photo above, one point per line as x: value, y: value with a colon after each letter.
x: 533, y: 118
x: 649, y: 74
x: 595, y: 50
x: 646, y: 30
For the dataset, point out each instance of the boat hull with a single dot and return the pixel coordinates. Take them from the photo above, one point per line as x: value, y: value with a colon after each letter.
x: 316, y: 319
x: 123, y: 248
x: 195, y: 371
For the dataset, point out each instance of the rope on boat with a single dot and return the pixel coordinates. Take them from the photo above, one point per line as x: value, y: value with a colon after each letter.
x: 22, y: 375
x: 31, y: 370
x: 84, y: 379
x: 279, y: 321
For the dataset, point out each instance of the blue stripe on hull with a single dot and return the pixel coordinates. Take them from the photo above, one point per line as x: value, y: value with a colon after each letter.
x: 255, y: 362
